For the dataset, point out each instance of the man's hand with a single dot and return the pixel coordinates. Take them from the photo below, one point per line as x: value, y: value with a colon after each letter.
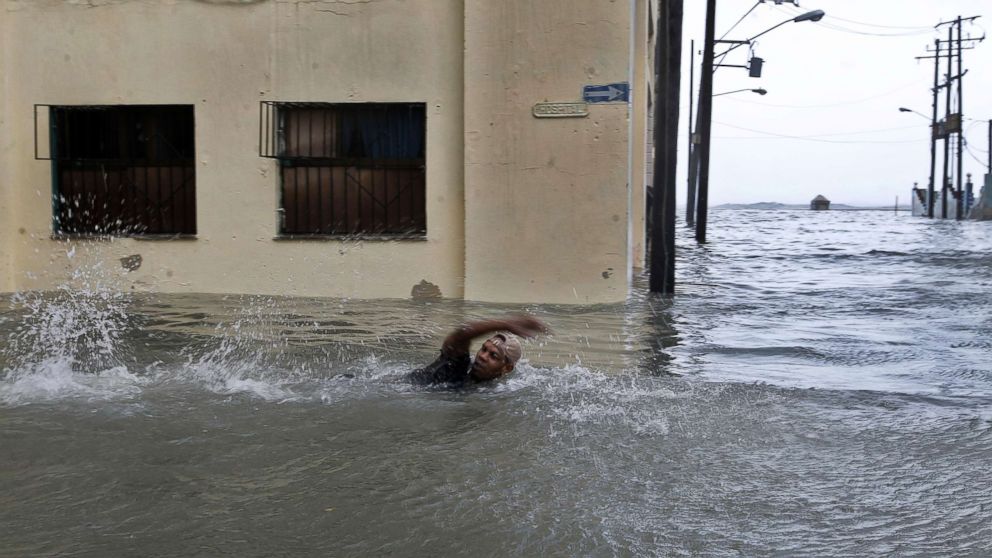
x: 524, y: 326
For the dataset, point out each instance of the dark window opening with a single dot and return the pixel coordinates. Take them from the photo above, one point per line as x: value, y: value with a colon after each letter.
x: 123, y: 170
x: 348, y: 169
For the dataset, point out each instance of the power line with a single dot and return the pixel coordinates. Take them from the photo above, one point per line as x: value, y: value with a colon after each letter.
x: 852, y: 142
x: 816, y: 138
x: 975, y: 157
x: 837, y: 104
x: 747, y: 13
x: 828, y: 25
x: 870, y: 34
x: 928, y: 27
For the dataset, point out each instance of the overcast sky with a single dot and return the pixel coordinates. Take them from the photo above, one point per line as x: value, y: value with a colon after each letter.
x: 838, y: 84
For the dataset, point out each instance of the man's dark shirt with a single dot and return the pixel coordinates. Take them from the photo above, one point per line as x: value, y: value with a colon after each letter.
x: 447, y: 369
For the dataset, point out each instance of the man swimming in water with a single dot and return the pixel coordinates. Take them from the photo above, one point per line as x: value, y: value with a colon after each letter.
x: 496, y: 358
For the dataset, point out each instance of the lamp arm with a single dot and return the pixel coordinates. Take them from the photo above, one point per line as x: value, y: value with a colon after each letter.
x: 747, y: 42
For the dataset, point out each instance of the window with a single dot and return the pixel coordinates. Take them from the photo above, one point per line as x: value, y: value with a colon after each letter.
x: 123, y: 170
x: 348, y: 169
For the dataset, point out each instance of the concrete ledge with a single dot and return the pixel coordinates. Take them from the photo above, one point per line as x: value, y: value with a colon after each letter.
x: 109, y: 237
x: 351, y: 238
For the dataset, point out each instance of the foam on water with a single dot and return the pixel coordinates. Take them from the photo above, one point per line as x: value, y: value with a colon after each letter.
x: 54, y: 379
x: 66, y: 344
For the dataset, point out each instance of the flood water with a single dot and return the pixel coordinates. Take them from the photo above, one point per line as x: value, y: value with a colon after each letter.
x: 821, y: 385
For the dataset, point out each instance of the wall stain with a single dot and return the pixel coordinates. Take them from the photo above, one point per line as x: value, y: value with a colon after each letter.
x: 425, y: 290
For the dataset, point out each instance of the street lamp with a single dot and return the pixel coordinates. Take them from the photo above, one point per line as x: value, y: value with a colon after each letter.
x: 705, y: 112
x: 920, y: 114
x: 759, y: 91
x: 814, y: 15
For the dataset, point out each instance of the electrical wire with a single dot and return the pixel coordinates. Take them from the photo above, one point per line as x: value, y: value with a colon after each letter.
x: 917, y: 27
x: 840, y: 103
x: 800, y: 138
x: 747, y: 13
x: 974, y: 122
x: 870, y: 34
x: 817, y: 137
x: 975, y: 157
x: 828, y: 25
x: 724, y: 55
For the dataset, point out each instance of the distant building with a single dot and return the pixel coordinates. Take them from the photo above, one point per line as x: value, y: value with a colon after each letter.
x: 819, y: 203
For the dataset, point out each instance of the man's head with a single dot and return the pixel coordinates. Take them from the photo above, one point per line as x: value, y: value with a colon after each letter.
x: 496, y: 357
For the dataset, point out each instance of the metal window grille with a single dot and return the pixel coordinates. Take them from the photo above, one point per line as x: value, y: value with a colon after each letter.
x: 348, y: 168
x: 122, y: 170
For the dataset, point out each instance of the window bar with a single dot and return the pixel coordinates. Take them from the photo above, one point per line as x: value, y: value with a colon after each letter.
x: 374, y: 195
x: 325, y: 133
x: 321, y: 220
x: 297, y: 197
x: 296, y: 128
x: 86, y: 203
x: 391, y: 222
x: 287, y: 214
x: 310, y: 224
x: 411, y: 224
x: 77, y: 205
x: 173, y: 215
x: 158, y: 199
x: 180, y: 216
x: 310, y: 208
x: 335, y: 187
x: 145, y: 218
x: 135, y: 207
x: 267, y: 133
x: 309, y: 133
x: 346, y: 223
x: 184, y: 207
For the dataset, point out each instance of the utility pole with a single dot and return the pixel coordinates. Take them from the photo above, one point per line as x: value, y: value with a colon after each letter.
x: 947, y: 134
x: 705, y: 119
x: 960, y: 201
x: 952, y: 123
x: 668, y: 62
x: 933, y: 132
x: 690, y: 199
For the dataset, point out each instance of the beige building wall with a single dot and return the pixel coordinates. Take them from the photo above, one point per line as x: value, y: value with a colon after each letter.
x: 519, y: 209
x: 546, y: 200
x: 223, y: 58
x: 641, y: 74
x: 6, y: 144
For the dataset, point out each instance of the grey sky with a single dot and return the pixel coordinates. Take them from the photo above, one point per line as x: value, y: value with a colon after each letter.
x: 842, y: 81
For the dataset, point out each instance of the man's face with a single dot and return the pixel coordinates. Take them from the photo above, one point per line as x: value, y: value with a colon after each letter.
x: 490, y: 361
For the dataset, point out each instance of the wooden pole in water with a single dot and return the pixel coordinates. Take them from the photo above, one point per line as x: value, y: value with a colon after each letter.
x: 690, y: 199
x: 933, y: 130
x: 705, y: 119
x: 668, y: 62
x: 959, y: 207
x: 945, y: 178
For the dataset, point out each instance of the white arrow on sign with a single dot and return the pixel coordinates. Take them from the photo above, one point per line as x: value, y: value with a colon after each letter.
x: 610, y: 93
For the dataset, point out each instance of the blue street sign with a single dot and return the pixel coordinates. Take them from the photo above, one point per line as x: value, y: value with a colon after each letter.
x: 610, y: 93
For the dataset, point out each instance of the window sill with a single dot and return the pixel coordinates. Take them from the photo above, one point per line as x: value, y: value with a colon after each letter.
x: 352, y: 237
x: 109, y: 237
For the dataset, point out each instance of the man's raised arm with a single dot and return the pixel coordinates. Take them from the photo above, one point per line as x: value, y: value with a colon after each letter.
x: 457, y: 342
